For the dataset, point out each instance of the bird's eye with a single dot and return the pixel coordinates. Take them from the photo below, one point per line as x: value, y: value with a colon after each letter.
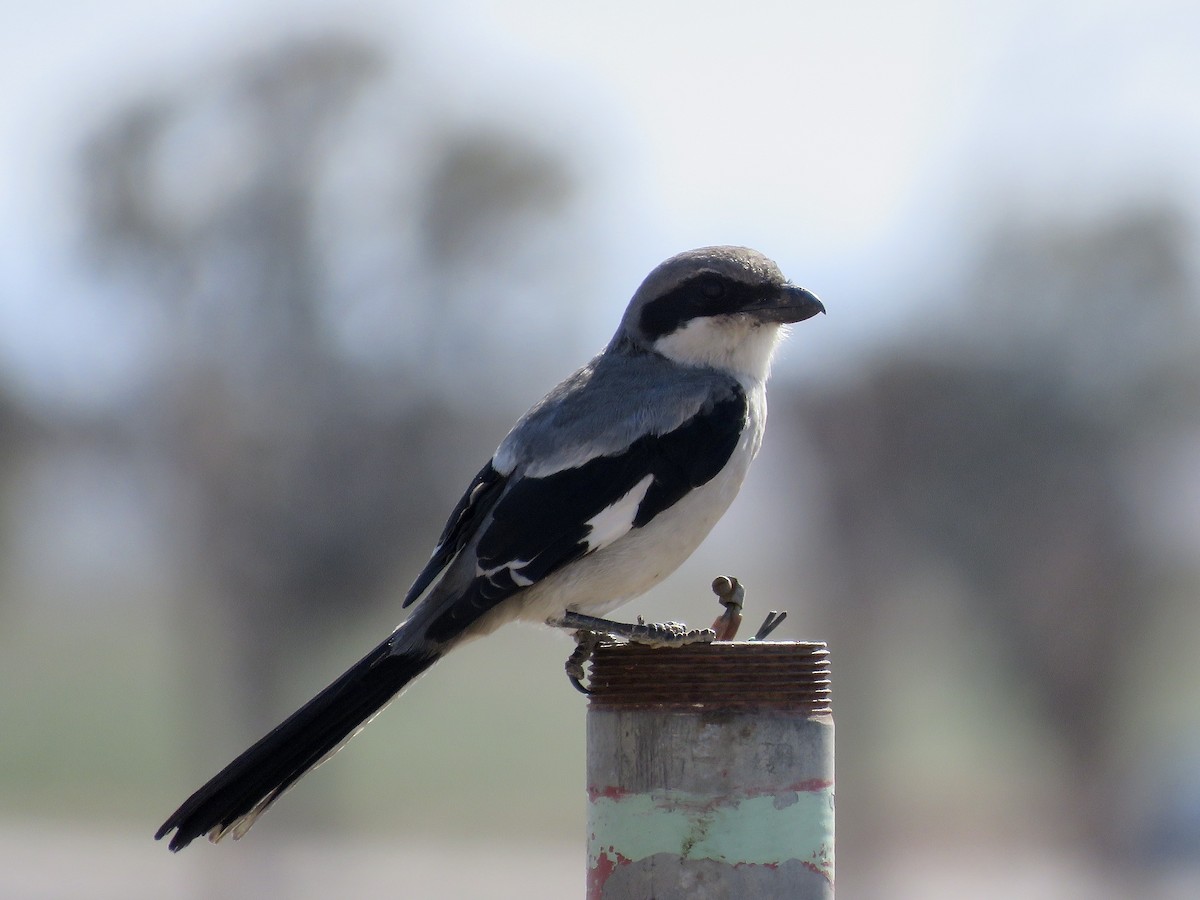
x: 712, y: 289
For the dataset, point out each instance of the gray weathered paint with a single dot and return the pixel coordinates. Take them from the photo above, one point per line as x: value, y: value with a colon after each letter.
x: 710, y: 773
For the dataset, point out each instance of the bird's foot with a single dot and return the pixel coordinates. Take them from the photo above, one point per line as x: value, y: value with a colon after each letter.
x: 668, y: 634
x: 590, y: 632
x: 652, y: 634
x: 586, y: 643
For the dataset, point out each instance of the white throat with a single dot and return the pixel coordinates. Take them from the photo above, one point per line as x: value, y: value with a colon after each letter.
x: 734, y: 344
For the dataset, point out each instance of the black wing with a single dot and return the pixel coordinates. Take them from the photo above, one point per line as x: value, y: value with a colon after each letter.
x: 538, y: 525
x: 464, y: 519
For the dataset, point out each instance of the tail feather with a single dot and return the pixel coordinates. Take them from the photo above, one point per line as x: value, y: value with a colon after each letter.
x: 239, y: 793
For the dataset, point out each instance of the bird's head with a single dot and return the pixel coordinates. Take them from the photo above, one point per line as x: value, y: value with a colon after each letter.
x: 719, y: 307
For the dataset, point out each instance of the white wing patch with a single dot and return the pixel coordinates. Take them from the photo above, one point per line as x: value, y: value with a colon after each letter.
x: 615, y: 521
x: 511, y: 567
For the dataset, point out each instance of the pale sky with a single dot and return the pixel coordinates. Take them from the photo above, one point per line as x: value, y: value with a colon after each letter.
x: 860, y: 144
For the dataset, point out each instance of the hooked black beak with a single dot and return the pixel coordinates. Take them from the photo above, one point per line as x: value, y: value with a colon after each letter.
x: 791, y: 304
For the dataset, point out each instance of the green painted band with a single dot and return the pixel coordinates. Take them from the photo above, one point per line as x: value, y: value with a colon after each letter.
x: 764, y: 830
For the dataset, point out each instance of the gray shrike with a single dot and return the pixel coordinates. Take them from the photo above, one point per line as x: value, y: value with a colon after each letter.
x: 599, y: 492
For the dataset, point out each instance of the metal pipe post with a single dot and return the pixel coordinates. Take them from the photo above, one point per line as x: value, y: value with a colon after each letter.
x: 710, y: 772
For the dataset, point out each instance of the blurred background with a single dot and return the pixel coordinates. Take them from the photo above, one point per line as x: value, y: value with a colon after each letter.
x: 276, y: 277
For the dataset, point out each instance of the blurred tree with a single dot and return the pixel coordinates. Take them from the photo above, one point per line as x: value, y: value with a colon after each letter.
x: 19, y: 434
x: 308, y: 471
x: 1003, y: 450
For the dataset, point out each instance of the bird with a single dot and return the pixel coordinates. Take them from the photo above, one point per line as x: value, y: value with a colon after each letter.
x: 602, y: 489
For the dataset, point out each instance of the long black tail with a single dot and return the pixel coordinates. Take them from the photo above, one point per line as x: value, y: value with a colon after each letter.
x: 239, y: 793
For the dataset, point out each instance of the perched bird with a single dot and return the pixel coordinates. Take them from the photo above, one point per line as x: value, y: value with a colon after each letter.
x: 599, y: 492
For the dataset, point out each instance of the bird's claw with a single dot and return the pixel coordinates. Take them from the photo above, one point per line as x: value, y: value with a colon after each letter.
x: 586, y: 643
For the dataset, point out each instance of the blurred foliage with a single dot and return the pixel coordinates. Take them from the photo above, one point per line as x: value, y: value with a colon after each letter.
x: 1002, y: 453
x: 308, y: 475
